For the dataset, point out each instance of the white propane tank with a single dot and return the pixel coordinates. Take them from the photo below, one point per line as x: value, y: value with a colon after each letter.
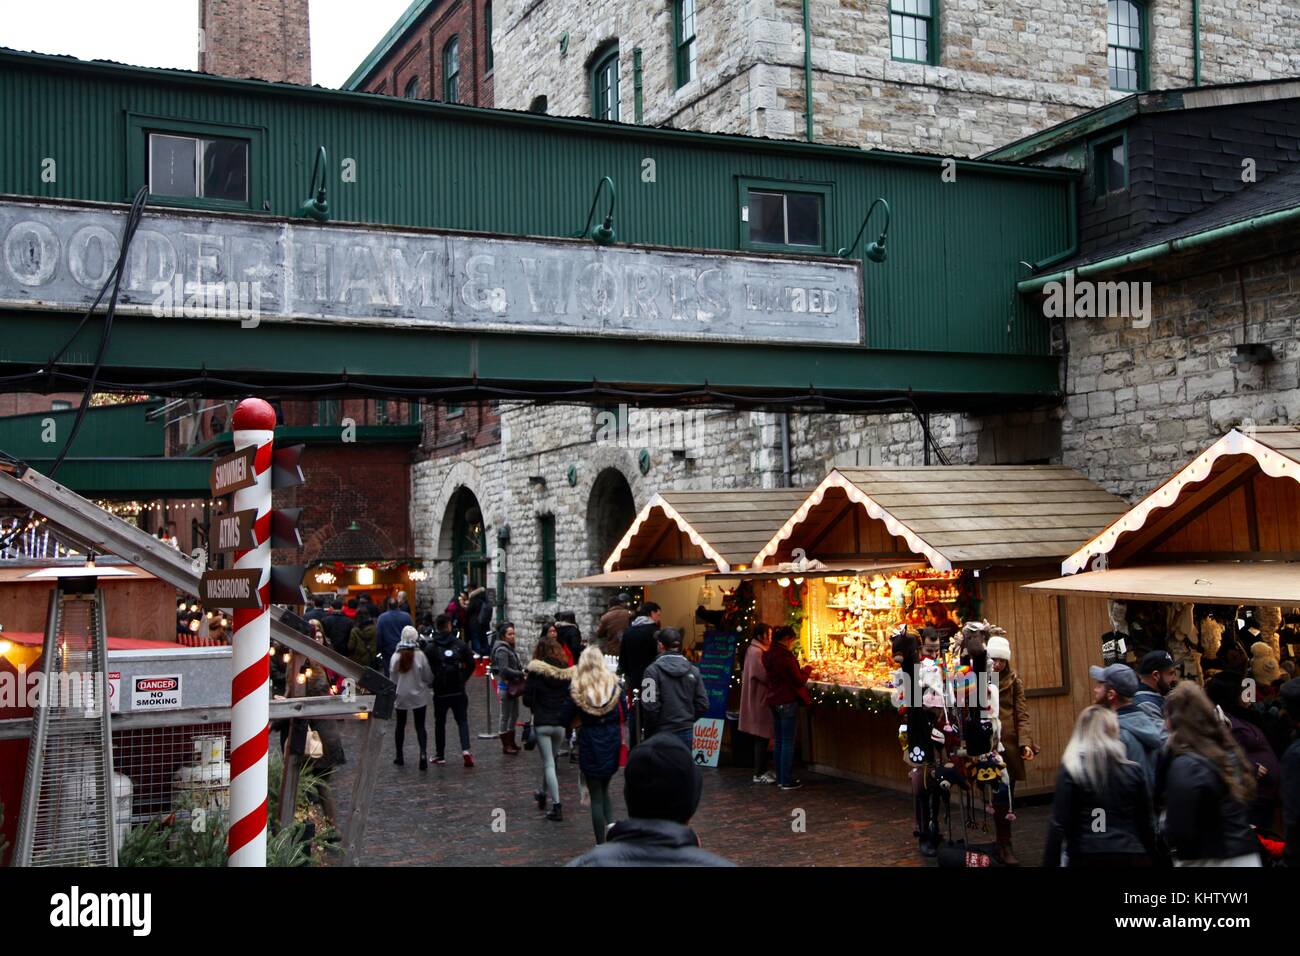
x: 206, y: 782
x: 79, y: 810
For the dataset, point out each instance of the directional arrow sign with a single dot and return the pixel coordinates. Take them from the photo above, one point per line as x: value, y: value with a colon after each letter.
x: 233, y: 589
x: 233, y: 472
x: 234, y: 531
x: 286, y: 470
x: 287, y: 586
x: 284, y: 528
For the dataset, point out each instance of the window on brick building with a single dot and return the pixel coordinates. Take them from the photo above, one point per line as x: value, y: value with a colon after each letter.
x: 604, y: 84
x: 412, y: 91
x: 454, y: 410
x: 913, y: 30
x: 1109, y: 166
x: 684, y: 40
x: 60, y: 405
x: 546, y: 534
x: 327, y: 411
x: 1125, y: 45
x: 451, y: 70
x: 487, y: 38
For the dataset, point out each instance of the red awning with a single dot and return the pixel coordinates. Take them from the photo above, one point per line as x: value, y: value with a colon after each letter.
x: 34, y: 639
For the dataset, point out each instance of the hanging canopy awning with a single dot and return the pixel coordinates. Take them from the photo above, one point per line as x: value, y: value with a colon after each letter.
x: 640, y: 577
x: 1274, y: 583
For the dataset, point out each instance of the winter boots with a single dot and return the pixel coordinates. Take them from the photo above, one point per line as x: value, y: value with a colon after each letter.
x: 1002, y: 828
x: 508, y: 745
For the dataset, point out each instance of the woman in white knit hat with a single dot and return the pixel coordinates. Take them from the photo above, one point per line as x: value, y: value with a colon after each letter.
x: 1017, y: 740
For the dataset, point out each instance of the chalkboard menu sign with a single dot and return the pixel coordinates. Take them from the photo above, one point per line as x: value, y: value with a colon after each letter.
x: 716, y: 661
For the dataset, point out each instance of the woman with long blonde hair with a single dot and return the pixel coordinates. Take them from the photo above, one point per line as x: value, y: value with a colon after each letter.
x: 1204, y: 786
x: 1101, y: 812
x: 596, y: 699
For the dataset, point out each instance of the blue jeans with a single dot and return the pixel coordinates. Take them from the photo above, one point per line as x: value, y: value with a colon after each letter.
x: 784, y: 719
x: 688, y: 738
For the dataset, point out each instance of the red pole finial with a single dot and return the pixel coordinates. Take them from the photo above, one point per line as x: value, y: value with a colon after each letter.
x: 253, y: 414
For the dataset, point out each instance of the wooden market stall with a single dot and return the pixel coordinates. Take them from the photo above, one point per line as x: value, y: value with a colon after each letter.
x: 1220, y: 539
x: 680, y: 537
x: 964, y: 537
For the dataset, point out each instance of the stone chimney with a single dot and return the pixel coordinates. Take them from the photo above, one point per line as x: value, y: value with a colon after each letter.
x: 264, y: 39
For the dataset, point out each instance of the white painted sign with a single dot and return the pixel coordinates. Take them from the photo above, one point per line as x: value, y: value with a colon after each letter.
x: 190, y: 265
x: 156, y: 692
x: 706, y: 741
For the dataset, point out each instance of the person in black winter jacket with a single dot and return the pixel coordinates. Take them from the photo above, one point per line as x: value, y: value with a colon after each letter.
x: 1097, y: 775
x: 1204, y: 785
x: 637, y: 651
x: 338, y: 627
x: 596, y: 698
x: 673, y: 694
x: 452, y: 664
x: 1290, y: 697
x: 546, y: 693
x: 566, y: 629
x: 478, y: 621
x: 662, y: 789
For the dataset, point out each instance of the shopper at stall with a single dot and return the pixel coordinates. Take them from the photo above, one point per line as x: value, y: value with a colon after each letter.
x: 1204, y: 787
x: 1115, y: 686
x: 1097, y: 775
x: 1225, y: 691
x: 786, y: 690
x: 1157, y: 676
x: 755, y: 715
x: 546, y: 689
x: 1290, y: 697
x: 455, y: 610
x: 637, y: 650
x: 1264, y: 668
x: 1017, y: 738
x: 338, y: 627
x: 389, y: 627
x: 596, y: 699
x: 410, y: 672
x: 452, y: 664
x: 662, y: 789
x: 362, y: 646
x: 509, y: 674
x: 939, y: 624
x: 673, y: 695
x: 612, y: 624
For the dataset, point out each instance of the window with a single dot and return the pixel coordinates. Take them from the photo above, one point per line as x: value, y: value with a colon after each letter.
x: 777, y: 217
x: 451, y: 70
x: 1125, y: 54
x: 327, y: 411
x: 59, y: 405
x: 1109, y: 166
x: 454, y: 411
x: 412, y: 91
x: 546, y: 532
x: 604, y: 85
x: 538, y: 105
x: 198, y: 167
x: 487, y: 38
x: 684, y: 40
x: 383, y: 414
x: 913, y: 30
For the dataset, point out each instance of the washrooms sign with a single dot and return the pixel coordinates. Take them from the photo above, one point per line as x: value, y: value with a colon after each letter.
x: 156, y: 692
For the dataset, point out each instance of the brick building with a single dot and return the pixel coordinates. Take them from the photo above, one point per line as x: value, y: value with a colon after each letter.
x: 438, y: 50
x: 263, y: 39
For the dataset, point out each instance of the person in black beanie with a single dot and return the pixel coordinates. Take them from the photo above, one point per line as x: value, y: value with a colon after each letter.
x: 662, y: 788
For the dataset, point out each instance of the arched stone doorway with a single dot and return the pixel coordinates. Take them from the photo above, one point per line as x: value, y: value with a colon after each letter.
x: 610, y: 512
x: 463, y: 539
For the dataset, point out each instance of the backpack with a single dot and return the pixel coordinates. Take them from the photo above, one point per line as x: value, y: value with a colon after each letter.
x: 446, y: 668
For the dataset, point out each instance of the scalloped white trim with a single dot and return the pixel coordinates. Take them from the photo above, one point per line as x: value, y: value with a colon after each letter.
x: 658, y: 501
x: 894, y: 526
x: 1272, y: 463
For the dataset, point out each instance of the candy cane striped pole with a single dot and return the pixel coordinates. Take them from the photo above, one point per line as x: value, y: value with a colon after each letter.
x: 250, y: 692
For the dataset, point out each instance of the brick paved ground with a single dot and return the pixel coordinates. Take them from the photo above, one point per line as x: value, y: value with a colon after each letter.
x: 444, y: 816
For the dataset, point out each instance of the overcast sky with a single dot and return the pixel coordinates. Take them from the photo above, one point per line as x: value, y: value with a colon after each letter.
x: 164, y: 32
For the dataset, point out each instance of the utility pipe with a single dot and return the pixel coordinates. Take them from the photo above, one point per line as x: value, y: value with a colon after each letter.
x: 807, y: 71
x: 1196, y: 42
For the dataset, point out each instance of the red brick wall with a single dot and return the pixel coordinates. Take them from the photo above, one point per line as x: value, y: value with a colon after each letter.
x: 266, y: 39
x: 368, y: 484
x: 24, y: 403
x: 478, y: 426
x: 420, y: 56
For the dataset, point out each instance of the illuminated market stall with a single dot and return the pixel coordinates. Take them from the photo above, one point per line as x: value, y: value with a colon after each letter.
x: 871, y: 549
x: 1207, y: 566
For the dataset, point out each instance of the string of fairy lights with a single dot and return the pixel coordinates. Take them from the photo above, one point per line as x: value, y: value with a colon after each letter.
x: 135, y: 509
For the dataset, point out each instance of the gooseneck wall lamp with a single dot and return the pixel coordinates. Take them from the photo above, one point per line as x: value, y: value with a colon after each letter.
x: 875, y: 251
x: 602, y: 235
x: 317, y: 207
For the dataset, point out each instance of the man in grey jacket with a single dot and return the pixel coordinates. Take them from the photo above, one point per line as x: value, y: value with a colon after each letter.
x: 1143, y: 737
x: 672, y: 691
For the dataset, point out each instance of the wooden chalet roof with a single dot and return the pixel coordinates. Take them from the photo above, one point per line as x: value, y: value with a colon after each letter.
x: 957, y: 515
x: 724, y: 527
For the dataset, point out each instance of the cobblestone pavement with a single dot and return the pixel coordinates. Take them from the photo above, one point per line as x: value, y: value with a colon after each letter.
x: 444, y: 816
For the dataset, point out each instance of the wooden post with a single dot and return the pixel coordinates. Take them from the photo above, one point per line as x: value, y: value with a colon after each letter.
x: 363, y: 788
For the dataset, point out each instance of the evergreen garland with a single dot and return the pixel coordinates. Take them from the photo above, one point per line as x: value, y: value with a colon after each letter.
x: 856, y: 698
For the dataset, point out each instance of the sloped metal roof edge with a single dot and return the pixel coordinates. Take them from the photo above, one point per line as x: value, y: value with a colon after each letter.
x: 410, y: 18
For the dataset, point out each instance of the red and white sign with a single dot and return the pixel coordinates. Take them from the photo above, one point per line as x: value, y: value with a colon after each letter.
x: 114, y: 691
x: 156, y: 692
x: 706, y: 741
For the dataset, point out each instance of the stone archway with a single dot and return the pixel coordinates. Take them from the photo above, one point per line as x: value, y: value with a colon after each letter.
x: 611, y: 510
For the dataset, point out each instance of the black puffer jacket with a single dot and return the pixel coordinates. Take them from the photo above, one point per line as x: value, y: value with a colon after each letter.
x: 602, y: 731
x: 546, y: 691
x: 1128, y: 823
x: 1202, y: 822
x: 640, y: 842
x: 637, y: 651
